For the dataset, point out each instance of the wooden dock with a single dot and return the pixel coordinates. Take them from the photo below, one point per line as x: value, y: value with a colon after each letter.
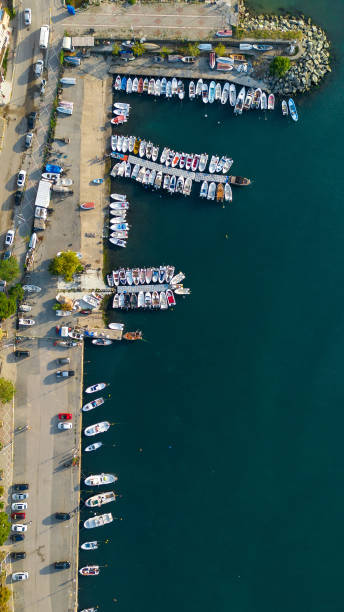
x: 145, y: 288
x: 198, y: 177
x: 94, y: 323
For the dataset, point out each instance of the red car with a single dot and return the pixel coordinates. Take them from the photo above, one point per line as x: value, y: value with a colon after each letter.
x: 65, y: 416
x: 17, y: 516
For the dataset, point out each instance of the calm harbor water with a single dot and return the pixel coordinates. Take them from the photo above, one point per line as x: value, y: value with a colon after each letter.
x: 229, y: 416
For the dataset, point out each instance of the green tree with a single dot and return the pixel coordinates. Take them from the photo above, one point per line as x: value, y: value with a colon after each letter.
x: 66, y: 264
x: 138, y: 49
x: 7, y: 391
x: 9, y: 269
x: 279, y: 66
x: 132, y: 2
x: 17, y: 292
x: 5, y: 527
x: 8, y: 306
x: 5, y: 594
x: 115, y: 48
x: 192, y: 49
x: 220, y: 50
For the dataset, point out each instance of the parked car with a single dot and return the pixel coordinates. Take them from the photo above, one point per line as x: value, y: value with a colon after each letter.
x: 9, y: 238
x: 65, y: 416
x: 21, y: 178
x: 38, y: 68
x: 21, y: 487
x: 20, y: 496
x: 65, y: 425
x: 62, y: 516
x: 17, y: 537
x: 65, y: 373
x: 18, y: 197
x: 62, y: 565
x: 18, y: 555
x: 27, y: 16
x: 43, y: 84
x: 63, y: 361
x: 19, y: 528
x: 7, y: 254
x: 28, y: 139
x: 31, y: 120
x: 20, y: 506
x: 20, y: 576
x: 18, y: 516
x: 22, y: 353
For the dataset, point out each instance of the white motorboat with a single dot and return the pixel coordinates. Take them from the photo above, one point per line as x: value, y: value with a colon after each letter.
x: 232, y: 94
x: 32, y: 288
x: 240, y: 101
x: 178, y: 278
x: 169, y: 273
x: 89, y: 545
x: 227, y: 165
x: 91, y: 405
x: 225, y: 93
x: 174, y: 86
x: 155, y: 153
x: 129, y: 86
x: 97, y: 428
x: 135, y: 85
x: 151, y: 87
x: 26, y: 322
x: 89, y: 570
x: 120, y: 197
x: 211, y: 191
x: 228, y: 192
x: 25, y: 308
x: 141, y: 300
x: 187, y: 186
x: 157, y: 87
x: 102, y: 341
x: 98, y: 520
x: 213, y: 163
x: 203, y: 162
x: 101, y: 499
x: 114, y: 143
x: 93, y: 447
x: 169, y: 89
x: 199, y: 84
x: 118, y: 326
x: 131, y: 143
x: 204, y: 190
x: 135, y: 171
x: 192, y: 91
x: 118, y: 82
x: 163, y: 300
x: 158, y: 180
x: 91, y: 300
x: 218, y: 92
x: 164, y: 154
x: 263, y: 101
x: 95, y: 388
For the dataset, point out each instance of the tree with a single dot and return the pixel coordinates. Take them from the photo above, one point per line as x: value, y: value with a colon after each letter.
x: 131, y: 2
x: 5, y: 527
x: 9, y: 269
x: 17, y: 292
x: 7, y: 391
x: 279, y: 66
x: 8, y: 306
x: 138, y: 49
x: 220, y: 50
x: 5, y: 594
x: 115, y: 48
x: 66, y: 264
x: 192, y: 49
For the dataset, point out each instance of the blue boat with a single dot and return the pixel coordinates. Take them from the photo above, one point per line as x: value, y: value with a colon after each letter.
x: 211, y: 94
x: 124, y: 84
x: 121, y: 156
x: 98, y: 181
x: 53, y: 168
x: 292, y: 109
x: 70, y: 59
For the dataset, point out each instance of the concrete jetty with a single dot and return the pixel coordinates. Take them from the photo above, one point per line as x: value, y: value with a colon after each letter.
x: 198, y: 177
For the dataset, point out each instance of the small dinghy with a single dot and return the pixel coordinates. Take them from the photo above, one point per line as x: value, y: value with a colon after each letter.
x: 32, y: 288
x: 96, y: 480
x: 98, y: 520
x: 118, y: 326
x: 95, y: 388
x: 98, y: 181
x: 271, y: 102
x: 89, y: 570
x: 87, y: 205
x: 91, y: 405
x: 97, y: 428
x: 90, y: 545
x: 120, y: 197
x: 102, y: 342
x: 292, y: 110
x: 284, y: 108
x: 93, y: 447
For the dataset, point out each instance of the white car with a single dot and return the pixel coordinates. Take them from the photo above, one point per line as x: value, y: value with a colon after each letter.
x: 27, y: 16
x: 9, y: 238
x: 19, y: 527
x: 20, y: 576
x: 21, y: 178
x: 22, y: 506
x: 65, y: 425
x: 19, y: 496
x: 38, y: 69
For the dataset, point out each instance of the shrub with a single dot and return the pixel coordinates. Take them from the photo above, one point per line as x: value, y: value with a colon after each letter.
x: 279, y: 66
x: 5, y: 528
x: 138, y: 49
x: 9, y: 269
x: 115, y: 48
x: 131, y: 2
x: 66, y: 264
x: 7, y: 391
x: 8, y: 306
x: 220, y: 50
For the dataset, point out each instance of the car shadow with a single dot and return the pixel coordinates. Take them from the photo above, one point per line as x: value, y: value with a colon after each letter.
x: 50, y: 379
x: 50, y: 520
x: 48, y: 569
x: 52, y: 365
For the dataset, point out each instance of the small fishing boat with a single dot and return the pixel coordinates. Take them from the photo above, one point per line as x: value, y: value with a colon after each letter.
x: 204, y: 190
x: 192, y: 92
x: 145, y: 85
x: 89, y: 570
x: 218, y: 91
x: 26, y: 322
x: 155, y: 275
x: 102, y: 341
x: 271, y: 102
x: 93, y: 447
x: 155, y: 300
x: 213, y: 163
x: 141, y: 300
x: 91, y: 405
x: 151, y: 87
x: 212, y: 58
x: 89, y: 545
x: 198, y: 90
x: 118, y: 82
x: 228, y: 192
x: 98, y: 520
x: 131, y: 336
x: 220, y: 193
x: 211, y: 95
x: 263, y: 101
x: 140, y: 86
x: 118, y: 326
x: 224, y: 33
x: 119, y: 120
x: 292, y: 110
x: 232, y: 94
x: 211, y: 191
x: 148, y: 300
x: 239, y: 180
x: 240, y: 102
x: 262, y: 47
x: 100, y: 500
x: 95, y: 388
x: 170, y: 297
x: 97, y: 428
x: 32, y: 288
x: 163, y: 86
x: 284, y: 108
x: 87, y: 205
x: 187, y: 186
x: 205, y: 98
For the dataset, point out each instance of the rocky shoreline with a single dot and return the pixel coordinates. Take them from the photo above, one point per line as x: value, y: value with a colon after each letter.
x: 310, y: 65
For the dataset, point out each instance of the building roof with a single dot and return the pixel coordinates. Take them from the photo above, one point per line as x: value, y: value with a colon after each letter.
x: 82, y: 41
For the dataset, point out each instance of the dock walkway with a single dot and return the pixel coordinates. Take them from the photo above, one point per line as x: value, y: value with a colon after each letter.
x: 144, y: 288
x: 198, y: 177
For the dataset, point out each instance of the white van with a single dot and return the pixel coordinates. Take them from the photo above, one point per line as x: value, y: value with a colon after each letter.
x: 67, y: 44
x: 44, y: 37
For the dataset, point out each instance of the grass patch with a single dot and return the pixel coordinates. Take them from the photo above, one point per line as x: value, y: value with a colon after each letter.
x: 5, y: 62
x: 61, y: 57
x: 268, y: 34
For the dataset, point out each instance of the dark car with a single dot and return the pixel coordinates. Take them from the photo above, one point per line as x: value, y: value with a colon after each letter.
x: 65, y: 373
x: 22, y: 353
x: 18, y: 516
x: 63, y: 361
x: 31, y: 120
x: 20, y: 487
x: 62, y: 565
x: 62, y: 516
x: 18, y: 555
x: 18, y: 197
x: 7, y: 254
x: 17, y: 537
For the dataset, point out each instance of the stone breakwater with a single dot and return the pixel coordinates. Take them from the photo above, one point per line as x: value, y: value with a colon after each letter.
x: 311, y: 63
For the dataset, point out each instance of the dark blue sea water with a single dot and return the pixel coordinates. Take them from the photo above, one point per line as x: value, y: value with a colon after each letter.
x: 229, y: 416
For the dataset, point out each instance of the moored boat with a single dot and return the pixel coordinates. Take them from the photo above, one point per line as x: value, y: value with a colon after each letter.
x: 163, y: 300
x: 192, y: 91
x: 212, y: 57
x: 89, y: 545
x: 284, y: 108
x: 204, y: 190
x: 211, y: 191
x: 205, y: 98
x: 198, y: 90
x: 271, y: 102
x: 240, y: 102
x: 89, y: 570
x: 228, y: 192
x: 100, y: 500
x: 97, y: 480
x: 263, y: 101
x: 102, y: 341
x: 211, y: 94
x: 239, y: 180
x: 232, y: 94
x: 91, y: 405
x: 93, y: 447
x: 137, y: 335
x: 203, y: 162
x: 292, y: 110
x: 98, y: 520
x: 97, y: 428
x: 220, y: 193
x: 170, y: 297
